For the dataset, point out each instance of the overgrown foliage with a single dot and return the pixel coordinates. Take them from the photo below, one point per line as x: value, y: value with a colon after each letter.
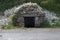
x: 11, y: 24
x: 51, y: 5
x: 8, y: 26
x: 12, y: 18
x: 45, y: 24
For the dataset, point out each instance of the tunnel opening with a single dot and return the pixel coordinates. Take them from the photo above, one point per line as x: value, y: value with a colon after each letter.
x: 29, y: 22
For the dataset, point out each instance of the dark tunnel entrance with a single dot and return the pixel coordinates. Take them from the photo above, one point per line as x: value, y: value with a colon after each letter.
x: 29, y: 22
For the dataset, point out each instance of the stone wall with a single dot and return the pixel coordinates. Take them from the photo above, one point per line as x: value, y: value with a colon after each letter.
x: 29, y: 10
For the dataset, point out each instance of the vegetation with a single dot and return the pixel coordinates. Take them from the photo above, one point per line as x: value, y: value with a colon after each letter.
x: 12, y: 18
x: 51, y: 5
x: 58, y: 23
x: 8, y: 26
x: 46, y: 24
x: 11, y: 24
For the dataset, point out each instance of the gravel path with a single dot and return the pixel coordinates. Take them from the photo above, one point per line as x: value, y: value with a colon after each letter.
x: 30, y: 34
